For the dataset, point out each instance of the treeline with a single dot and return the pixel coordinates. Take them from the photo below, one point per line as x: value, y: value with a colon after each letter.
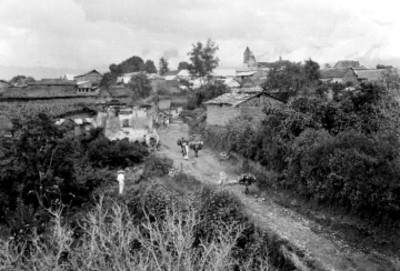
x: 343, y: 152
x: 48, y: 166
x: 132, y: 64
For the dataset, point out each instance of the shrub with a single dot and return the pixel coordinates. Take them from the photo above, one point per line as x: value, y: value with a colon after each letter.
x: 155, y: 166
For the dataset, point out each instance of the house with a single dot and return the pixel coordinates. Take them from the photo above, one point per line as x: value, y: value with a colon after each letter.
x: 231, y: 82
x: 51, y: 88
x: 251, y: 78
x: 4, y: 85
x: 92, y: 76
x: 85, y: 88
x: 343, y: 76
x: 247, y: 101
x: 120, y: 91
x: 171, y: 75
x: 347, y: 64
x: 370, y: 75
x: 157, y: 82
x: 126, y: 77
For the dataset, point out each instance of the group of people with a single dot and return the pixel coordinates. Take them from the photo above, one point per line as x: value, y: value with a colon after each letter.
x: 193, y: 143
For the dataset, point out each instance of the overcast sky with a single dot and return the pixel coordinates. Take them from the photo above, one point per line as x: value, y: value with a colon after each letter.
x: 47, y: 38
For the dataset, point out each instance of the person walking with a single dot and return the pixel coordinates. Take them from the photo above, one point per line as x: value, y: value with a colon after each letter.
x: 121, y: 181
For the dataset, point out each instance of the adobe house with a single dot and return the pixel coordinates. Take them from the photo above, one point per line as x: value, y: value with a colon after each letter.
x: 371, y: 75
x: 4, y: 85
x: 85, y: 88
x: 343, y: 76
x: 92, y: 76
x: 249, y: 101
x: 43, y: 89
x: 249, y: 79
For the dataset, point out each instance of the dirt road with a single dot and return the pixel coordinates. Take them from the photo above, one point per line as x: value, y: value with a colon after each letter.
x: 324, y: 252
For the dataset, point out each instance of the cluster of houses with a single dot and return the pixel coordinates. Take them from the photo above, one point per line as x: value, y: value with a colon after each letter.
x: 248, y: 98
x: 67, y: 86
x: 118, y: 121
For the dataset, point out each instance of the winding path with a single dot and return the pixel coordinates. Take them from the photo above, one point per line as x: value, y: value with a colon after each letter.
x: 321, y: 251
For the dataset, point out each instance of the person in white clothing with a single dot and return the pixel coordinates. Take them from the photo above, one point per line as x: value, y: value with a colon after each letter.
x: 121, y: 181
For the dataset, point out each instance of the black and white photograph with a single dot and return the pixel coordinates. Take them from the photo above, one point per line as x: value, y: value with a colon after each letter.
x: 199, y: 135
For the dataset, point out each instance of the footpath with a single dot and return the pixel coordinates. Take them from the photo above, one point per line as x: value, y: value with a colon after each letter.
x: 307, y: 249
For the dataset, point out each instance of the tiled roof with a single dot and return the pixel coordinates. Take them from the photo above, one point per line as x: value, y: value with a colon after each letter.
x: 87, y: 73
x: 345, y: 64
x: 53, y: 82
x: 231, y: 98
x: 333, y: 73
x: 245, y: 73
x: 370, y: 75
x: 248, y: 90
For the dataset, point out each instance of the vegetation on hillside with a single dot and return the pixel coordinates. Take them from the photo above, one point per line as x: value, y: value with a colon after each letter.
x: 343, y: 152
x: 45, y: 166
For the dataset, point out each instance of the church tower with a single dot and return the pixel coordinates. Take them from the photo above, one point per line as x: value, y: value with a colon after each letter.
x: 249, y: 60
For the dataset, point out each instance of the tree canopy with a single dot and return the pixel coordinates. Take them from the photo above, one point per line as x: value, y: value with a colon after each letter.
x: 132, y: 64
x: 149, y: 66
x: 140, y: 85
x: 291, y: 77
x: 22, y: 79
x: 203, y: 60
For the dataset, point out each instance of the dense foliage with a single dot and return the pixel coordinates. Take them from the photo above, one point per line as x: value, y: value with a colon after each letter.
x: 140, y: 85
x: 343, y: 152
x: 205, y: 93
x: 43, y: 165
x: 112, y: 236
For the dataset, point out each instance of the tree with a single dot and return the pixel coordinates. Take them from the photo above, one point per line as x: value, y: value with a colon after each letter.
x: 22, y: 79
x: 108, y: 79
x: 203, y: 60
x: 149, y: 66
x: 290, y: 78
x: 140, y: 85
x: 391, y: 79
x: 311, y: 71
x: 163, y: 66
x: 381, y: 66
x: 183, y: 65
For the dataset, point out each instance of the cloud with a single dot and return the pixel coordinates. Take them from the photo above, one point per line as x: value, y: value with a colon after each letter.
x: 87, y: 34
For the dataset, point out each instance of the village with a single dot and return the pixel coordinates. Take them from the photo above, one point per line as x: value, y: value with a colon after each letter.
x: 245, y: 96
x: 135, y: 133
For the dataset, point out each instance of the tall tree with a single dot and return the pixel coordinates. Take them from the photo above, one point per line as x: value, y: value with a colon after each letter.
x: 203, y: 60
x: 183, y: 65
x: 149, y: 66
x: 311, y: 71
x: 163, y: 66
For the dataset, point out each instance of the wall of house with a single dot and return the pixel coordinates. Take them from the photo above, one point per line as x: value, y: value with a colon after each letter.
x: 93, y: 77
x: 220, y: 115
x: 37, y: 91
x: 350, y: 76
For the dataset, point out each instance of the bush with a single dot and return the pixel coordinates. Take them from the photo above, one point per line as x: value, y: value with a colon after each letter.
x: 155, y: 166
x: 342, y: 152
x: 115, y: 154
